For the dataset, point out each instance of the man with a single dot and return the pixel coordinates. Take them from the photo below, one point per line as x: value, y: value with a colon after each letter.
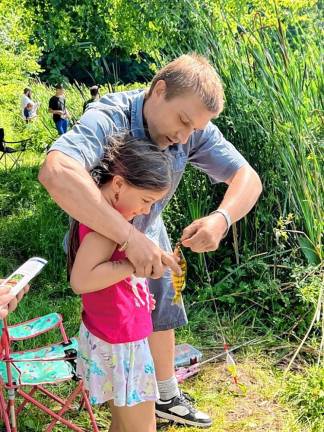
x: 176, y: 113
x: 56, y: 106
x: 94, y: 92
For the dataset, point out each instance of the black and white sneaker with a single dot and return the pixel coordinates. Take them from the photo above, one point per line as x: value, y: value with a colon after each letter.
x: 181, y: 410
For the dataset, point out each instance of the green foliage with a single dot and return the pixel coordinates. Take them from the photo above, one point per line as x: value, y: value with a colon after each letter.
x: 273, y: 85
x: 31, y: 224
x: 305, y: 392
x: 308, y: 282
x: 194, y: 199
x: 255, y: 290
x: 18, y: 60
x: 18, y: 55
x: 103, y: 32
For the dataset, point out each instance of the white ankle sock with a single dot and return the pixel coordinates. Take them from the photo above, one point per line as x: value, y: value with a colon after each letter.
x: 168, y: 388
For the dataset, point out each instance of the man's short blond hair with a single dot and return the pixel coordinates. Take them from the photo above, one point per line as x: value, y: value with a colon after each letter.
x: 192, y: 73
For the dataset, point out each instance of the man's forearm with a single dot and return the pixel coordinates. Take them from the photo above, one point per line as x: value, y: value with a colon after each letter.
x: 69, y: 183
x: 243, y: 191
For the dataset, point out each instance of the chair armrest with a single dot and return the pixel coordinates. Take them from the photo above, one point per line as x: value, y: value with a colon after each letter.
x: 34, y: 327
x: 17, y: 142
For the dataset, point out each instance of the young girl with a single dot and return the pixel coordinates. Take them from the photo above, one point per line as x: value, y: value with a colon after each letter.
x: 114, y: 356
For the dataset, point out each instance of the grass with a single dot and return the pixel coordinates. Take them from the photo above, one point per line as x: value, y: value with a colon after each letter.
x: 231, y: 411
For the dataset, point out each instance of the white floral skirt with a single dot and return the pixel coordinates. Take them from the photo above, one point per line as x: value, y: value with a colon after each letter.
x: 122, y: 372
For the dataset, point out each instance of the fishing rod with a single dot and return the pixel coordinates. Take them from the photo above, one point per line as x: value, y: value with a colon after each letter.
x: 185, y: 372
x: 230, y: 362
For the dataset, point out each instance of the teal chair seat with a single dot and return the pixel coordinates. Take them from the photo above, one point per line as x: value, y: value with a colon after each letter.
x: 50, y: 352
x: 28, y: 371
x: 38, y: 372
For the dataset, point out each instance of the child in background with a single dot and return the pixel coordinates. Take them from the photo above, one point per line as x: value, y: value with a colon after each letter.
x: 95, y: 96
x: 28, y: 112
x: 114, y: 356
x: 33, y: 107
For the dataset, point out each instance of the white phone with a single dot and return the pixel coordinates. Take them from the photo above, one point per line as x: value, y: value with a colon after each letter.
x: 24, y: 274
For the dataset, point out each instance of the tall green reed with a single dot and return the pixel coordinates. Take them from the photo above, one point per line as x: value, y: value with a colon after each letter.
x: 273, y: 80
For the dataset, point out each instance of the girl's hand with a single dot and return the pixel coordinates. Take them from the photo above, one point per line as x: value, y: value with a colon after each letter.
x: 152, y: 302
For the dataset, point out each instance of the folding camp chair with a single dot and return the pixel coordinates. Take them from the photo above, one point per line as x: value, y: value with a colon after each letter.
x: 23, y: 373
x: 11, y: 153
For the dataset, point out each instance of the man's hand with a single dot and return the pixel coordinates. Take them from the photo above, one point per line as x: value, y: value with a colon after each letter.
x: 148, y: 259
x: 8, y: 302
x: 205, y: 234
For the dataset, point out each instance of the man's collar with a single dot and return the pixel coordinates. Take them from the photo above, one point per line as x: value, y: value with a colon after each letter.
x: 138, y: 128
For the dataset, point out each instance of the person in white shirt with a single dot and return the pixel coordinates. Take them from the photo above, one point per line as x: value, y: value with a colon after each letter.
x: 27, y: 99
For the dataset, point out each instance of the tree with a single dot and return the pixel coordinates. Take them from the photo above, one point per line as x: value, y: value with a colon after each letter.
x: 18, y: 53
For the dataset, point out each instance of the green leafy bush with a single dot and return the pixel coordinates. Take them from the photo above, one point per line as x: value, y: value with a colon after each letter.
x: 305, y: 392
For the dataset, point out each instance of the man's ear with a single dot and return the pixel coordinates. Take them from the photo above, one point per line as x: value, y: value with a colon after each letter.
x: 160, y: 88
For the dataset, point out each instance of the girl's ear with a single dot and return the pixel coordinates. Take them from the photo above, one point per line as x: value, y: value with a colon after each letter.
x: 117, y: 183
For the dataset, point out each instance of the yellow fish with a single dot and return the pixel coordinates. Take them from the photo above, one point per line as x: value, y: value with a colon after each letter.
x: 179, y: 282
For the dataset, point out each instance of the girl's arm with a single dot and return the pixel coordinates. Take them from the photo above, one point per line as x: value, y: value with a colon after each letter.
x: 91, y: 270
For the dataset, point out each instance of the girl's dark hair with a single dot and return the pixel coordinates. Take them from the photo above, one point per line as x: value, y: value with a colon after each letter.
x: 139, y: 161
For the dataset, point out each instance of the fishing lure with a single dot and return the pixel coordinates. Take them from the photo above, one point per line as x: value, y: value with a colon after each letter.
x: 232, y: 369
x: 179, y: 282
x: 231, y: 365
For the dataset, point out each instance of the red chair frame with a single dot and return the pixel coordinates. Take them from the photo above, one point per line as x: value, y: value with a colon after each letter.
x: 13, y: 361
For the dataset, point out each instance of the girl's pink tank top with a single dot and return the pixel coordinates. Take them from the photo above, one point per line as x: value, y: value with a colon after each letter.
x: 121, y: 312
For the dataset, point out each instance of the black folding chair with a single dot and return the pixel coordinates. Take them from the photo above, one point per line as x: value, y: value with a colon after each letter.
x: 11, y: 154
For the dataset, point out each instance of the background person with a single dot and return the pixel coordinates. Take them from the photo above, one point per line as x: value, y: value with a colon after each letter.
x: 28, y: 112
x: 57, y: 107
x: 27, y: 99
x: 94, y: 92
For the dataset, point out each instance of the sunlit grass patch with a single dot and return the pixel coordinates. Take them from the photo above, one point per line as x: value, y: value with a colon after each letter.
x: 232, y: 411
